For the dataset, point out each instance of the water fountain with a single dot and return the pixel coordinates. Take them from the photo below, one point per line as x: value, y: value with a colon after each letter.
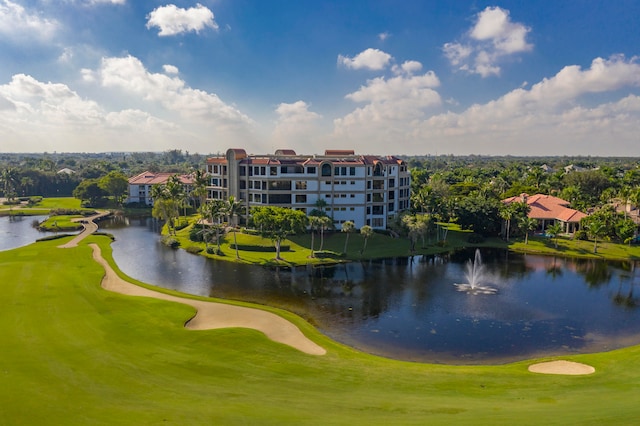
x: 474, y: 275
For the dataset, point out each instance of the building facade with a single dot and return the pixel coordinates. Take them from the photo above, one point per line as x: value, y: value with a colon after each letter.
x: 365, y: 189
x: 140, y: 185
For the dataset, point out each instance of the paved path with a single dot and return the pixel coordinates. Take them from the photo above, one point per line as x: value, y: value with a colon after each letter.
x: 89, y: 228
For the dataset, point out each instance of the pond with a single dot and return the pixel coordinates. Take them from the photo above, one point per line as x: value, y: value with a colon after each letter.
x: 411, y: 309
x: 18, y: 231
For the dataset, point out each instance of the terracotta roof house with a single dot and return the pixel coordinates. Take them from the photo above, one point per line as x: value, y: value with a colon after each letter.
x: 140, y: 185
x: 547, y: 209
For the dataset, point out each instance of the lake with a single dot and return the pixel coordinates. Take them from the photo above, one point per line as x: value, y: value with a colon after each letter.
x: 410, y: 309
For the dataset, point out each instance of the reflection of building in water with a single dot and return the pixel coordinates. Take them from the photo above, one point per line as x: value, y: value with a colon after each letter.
x: 365, y: 189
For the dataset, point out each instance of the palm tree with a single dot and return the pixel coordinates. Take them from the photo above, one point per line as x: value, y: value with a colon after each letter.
x: 233, y: 208
x: 200, y: 181
x: 527, y: 224
x: 215, y: 210
x: 366, y: 231
x: 596, y: 228
x: 554, y: 231
x: 176, y: 193
x: 507, y: 212
x: 324, y: 222
x: 314, y: 223
x: 347, y: 228
x: 162, y: 205
x: 9, y: 180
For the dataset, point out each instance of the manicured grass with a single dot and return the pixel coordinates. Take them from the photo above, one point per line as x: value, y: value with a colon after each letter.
x: 61, y: 223
x: 73, y: 353
x: 577, y: 248
x: 59, y: 203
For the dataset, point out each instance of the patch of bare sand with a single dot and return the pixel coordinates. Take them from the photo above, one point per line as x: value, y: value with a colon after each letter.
x: 562, y: 367
x: 212, y: 315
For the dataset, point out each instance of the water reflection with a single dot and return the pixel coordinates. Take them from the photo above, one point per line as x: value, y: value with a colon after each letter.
x: 408, y: 308
x: 18, y: 231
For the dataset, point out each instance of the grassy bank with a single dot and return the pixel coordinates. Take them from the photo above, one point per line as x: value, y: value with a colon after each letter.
x: 76, y: 354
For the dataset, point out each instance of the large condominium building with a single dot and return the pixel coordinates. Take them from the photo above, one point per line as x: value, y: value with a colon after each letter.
x: 365, y: 189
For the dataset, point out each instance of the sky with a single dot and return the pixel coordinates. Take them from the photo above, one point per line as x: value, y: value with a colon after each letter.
x: 382, y: 77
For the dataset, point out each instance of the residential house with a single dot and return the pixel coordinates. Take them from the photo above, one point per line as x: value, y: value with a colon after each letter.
x: 140, y: 185
x: 547, y: 210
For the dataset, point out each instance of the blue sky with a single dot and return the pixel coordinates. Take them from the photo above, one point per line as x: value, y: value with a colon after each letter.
x: 378, y: 76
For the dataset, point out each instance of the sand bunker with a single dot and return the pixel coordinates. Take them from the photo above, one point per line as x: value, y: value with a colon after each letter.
x: 562, y: 367
x: 212, y: 315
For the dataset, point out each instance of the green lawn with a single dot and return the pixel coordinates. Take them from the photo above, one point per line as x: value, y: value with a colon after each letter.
x: 61, y: 223
x: 73, y: 353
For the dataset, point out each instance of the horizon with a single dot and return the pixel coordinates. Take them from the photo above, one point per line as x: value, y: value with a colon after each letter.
x: 428, y: 78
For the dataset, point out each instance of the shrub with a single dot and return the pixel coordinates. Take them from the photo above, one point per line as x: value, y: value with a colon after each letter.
x: 196, y: 234
x: 581, y: 234
x: 181, y: 224
x: 170, y: 241
x: 211, y: 250
x: 194, y: 249
x: 267, y: 249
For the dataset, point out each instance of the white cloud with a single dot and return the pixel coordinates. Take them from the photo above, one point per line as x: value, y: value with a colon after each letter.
x: 170, y: 69
x: 39, y: 116
x: 383, y: 36
x: 130, y: 75
x: 492, y: 38
x: 173, y: 20
x: 576, y: 111
x: 373, y: 59
x: 296, y: 125
x: 407, y: 67
x: 548, y: 118
x: 391, y: 105
x: 20, y: 24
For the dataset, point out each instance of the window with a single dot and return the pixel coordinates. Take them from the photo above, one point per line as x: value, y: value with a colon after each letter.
x: 326, y: 170
x: 368, y: 198
x: 311, y: 170
x: 327, y: 195
x: 273, y: 171
x: 243, y: 171
x: 368, y: 210
x: 301, y: 198
x: 301, y: 184
x: 352, y: 171
x: 378, y: 222
x: 392, y: 195
x: 280, y: 185
x: 279, y: 198
x: 369, y: 184
x: 392, y: 182
x: 263, y: 171
x: 390, y: 207
x: 378, y: 210
x: 243, y: 184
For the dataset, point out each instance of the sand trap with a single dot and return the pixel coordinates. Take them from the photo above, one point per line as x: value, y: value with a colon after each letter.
x: 562, y: 367
x: 212, y: 315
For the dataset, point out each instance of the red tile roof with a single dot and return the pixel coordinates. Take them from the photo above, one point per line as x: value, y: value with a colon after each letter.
x: 548, y: 207
x: 150, y: 178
